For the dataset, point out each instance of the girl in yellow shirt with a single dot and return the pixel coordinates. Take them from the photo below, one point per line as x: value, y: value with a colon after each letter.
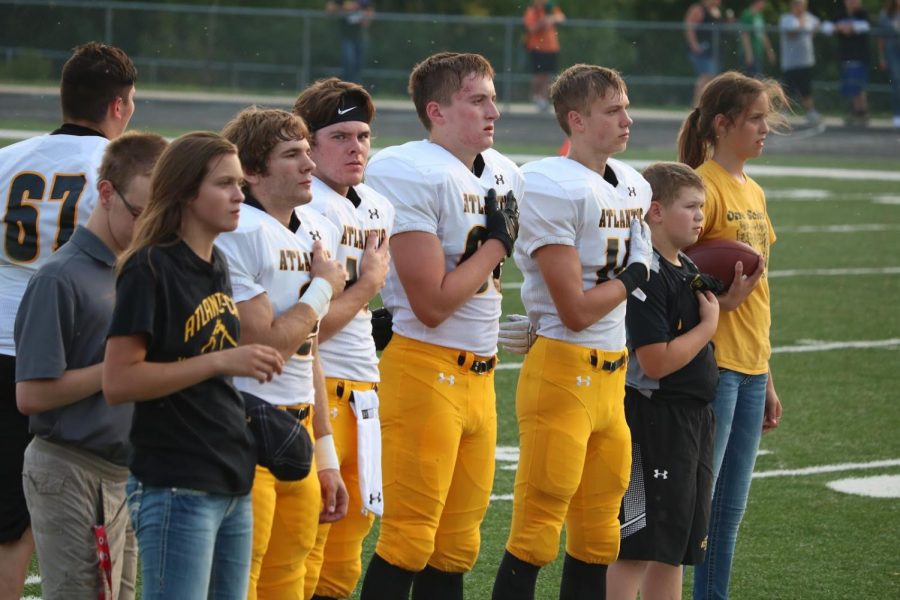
x: 728, y: 128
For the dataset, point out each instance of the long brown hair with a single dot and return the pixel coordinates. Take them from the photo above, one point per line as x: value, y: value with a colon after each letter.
x: 729, y: 94
x: 176, y: 181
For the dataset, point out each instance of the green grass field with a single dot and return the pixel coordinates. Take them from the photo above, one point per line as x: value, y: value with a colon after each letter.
x: 835, y: 279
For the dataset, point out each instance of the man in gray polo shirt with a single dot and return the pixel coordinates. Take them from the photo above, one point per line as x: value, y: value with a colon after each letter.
x: 75, y: 467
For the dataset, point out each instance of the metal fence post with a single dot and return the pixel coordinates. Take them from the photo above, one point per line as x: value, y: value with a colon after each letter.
x: 108, y: 25
x: 306, y: 60
x: 507, y: 65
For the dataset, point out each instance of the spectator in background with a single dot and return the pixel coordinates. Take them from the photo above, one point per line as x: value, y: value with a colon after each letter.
x: 889, y: 52
x: 754, y: 41
x: 851, y: 26
x: 542, y: 43
x: 355, y: 17
x: 700, y: 22
x: 797, y: 56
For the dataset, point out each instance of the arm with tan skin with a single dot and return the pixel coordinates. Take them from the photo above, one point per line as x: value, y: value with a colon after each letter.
x: 747, y: 48
x: 770, y: 51
x: 693, y: 17
x: 773, y: 406
x: 129, y: 377
x: 289, y: 330
x: 434, y: 294
x: 374, y: 267
x: 334, y: 493
x: 39, y: 395
x: 659, y: 360
x: 578, y: 308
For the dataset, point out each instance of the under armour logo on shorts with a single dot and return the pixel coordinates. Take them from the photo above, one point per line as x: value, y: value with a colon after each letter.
x: 585, y: 381
x: 373, y: 213
x: 445, y: 379
x: 374, y: 497
x: 657, y: 474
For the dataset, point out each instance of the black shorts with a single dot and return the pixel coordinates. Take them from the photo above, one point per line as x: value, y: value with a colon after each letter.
x: 665, y: 511
x: 799, y: 82
x: 14, y: 437
x: 543, y: 62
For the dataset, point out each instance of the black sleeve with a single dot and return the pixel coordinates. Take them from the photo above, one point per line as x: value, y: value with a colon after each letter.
x: 645, y: 316
x: 136, y: 298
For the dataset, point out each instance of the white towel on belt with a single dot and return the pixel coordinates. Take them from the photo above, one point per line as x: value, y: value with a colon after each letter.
x: 368, y: 431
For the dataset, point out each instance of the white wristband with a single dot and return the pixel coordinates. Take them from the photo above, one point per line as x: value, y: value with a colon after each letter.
x: 317, y: 296
x: 326, y: 453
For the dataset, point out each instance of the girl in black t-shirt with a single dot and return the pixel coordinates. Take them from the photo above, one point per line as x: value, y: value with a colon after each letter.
x: 173, y: 348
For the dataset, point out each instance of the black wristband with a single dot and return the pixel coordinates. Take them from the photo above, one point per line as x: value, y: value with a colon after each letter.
x: 633, y: 276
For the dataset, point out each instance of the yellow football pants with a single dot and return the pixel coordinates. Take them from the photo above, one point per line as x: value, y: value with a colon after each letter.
x: 335, y: 563
x: 439, y: 432
x: 575, y: 454
x: 285, y: 520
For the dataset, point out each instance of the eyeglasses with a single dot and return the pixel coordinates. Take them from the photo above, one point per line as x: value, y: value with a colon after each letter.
x: 135, y: 211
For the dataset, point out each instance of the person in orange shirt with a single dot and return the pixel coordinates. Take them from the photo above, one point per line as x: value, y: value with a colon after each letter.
x: 542, y: 43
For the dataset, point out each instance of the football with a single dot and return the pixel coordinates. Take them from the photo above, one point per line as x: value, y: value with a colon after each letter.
x: 718, y: 257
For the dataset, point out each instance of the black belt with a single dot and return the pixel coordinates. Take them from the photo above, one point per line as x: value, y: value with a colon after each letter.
x: 339, y: 389
x: 478, y: 366
x: 299, y: 413
x: 610, y: 365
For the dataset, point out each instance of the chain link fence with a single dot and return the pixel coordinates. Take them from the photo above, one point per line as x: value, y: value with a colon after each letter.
x: 255, y: 49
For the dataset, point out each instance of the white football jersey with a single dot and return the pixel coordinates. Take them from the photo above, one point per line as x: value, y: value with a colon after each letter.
x: 566, y: 203
x: 350, y: 353
x: 433, y: 192
x: 264, y: 256
x: 48, y: 185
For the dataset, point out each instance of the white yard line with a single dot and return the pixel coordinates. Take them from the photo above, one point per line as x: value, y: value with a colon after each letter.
x: 858, y: 228
x: 770, y: 170
x: 804, y: 346
x: 878, y: 464
x: 752, y: 170
x: 508, y: 451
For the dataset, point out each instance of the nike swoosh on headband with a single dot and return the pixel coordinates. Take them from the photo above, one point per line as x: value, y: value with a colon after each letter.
x: 345, y: 111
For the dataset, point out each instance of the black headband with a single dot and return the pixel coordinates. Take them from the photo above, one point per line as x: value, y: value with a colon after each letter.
x: 352, y: 107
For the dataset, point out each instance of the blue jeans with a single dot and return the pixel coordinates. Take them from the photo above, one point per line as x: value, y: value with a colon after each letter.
x: 192, y: 544
x: 739, y: 407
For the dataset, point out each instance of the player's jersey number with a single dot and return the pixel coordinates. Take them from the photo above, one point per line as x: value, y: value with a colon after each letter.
x: 478, y: 234
x: 22, y: 235
x: 612, y: 266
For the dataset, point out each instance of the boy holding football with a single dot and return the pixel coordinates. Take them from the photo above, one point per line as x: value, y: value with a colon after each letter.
x: 669, y: 389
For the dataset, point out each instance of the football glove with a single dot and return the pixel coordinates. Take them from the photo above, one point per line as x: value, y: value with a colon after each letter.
x: 516, y: 334
x: 640, y: 255
x: 382, y: 321
x: 704, y: 282
x: 502, y: 219
x: 640, y: 249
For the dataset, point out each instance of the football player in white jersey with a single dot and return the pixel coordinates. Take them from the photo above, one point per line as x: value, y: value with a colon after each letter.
x: 456, y: 221
x: 338, y: 114
x: 48, y: 185
x: 583, y: 248
x: 283, y: 280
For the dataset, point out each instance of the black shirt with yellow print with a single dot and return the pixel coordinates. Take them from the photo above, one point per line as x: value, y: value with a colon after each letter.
x: 196, y: 438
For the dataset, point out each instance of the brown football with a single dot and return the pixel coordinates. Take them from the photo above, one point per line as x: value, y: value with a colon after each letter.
x: 718, y: 257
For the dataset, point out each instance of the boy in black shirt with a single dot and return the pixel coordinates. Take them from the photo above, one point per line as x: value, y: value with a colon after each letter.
x: 668, y: 393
